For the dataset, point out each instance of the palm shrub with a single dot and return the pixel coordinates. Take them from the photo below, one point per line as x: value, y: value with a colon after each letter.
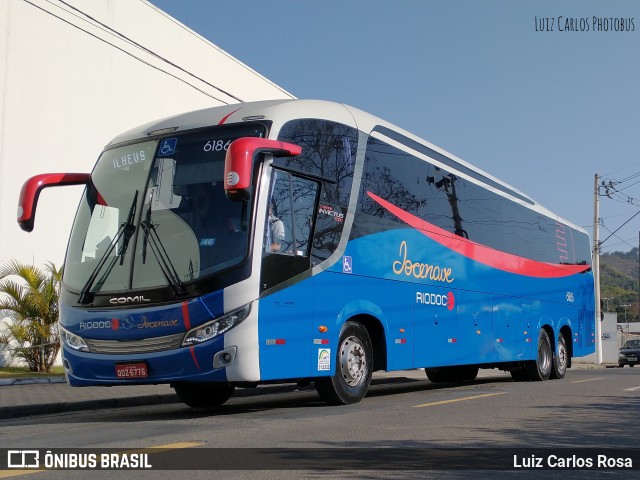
x: 29, y: 298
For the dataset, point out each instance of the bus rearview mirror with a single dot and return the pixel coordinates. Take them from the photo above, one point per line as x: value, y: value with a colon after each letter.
x: 31, y: 191
x: 239, y: 161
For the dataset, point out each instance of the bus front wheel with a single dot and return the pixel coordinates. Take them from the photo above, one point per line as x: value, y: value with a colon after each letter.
x: 203, y: 395
x: 353, y: 368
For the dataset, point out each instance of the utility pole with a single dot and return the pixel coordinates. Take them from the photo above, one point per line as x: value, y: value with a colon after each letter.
x: 596, y: 268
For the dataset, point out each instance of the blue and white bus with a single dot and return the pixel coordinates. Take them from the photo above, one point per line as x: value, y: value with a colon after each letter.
x: 302, y: 240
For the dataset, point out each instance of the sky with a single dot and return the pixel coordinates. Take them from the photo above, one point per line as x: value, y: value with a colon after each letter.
x: 542, y: 94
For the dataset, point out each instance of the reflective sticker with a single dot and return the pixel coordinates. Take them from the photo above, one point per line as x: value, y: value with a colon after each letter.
x: 324, y: 359
x: 347, y: 264
x: 167, y: 147
x: 207, y: 242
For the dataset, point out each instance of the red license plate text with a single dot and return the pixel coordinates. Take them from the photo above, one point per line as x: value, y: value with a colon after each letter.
x: 132, y: 370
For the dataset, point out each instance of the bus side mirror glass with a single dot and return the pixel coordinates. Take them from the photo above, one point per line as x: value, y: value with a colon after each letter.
x: 31, y: 191
x: 239, y: 161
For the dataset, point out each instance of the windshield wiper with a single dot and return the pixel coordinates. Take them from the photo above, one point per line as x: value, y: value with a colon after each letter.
x: 128, y: 228
x: 125, y: 232
x: 164, y: 261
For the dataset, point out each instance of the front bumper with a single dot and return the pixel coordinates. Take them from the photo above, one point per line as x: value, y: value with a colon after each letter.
x: 185, y: 364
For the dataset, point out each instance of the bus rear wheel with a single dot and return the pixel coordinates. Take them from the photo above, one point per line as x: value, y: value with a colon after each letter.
x: 540, y: 368
x: 203, y: 395
x: 560, y: 359
x: 353, y: 368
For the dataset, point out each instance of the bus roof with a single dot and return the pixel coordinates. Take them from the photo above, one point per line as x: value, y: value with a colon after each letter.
x: 280, y: 111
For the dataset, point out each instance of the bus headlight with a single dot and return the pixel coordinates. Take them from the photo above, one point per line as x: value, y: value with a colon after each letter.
x: 212, y: 329
x: 72, y: 340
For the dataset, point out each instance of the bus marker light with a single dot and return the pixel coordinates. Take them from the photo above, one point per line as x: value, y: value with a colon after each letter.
x: 323, y: 329
x: 402, y: 330
x: 225, y: 357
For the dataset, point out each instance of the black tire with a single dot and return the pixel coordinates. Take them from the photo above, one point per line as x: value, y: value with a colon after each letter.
x: 467, y: 373
x: 560, y: 359
x: 540, y: 368
x: 436, y: 375
x: 204, y: 395
x: 353, y: 368
x: 520, y: 375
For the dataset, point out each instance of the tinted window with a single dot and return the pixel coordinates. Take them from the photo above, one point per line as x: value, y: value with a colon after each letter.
x: 328, y: 151
x: 458, y: 206
x: 288, y: 229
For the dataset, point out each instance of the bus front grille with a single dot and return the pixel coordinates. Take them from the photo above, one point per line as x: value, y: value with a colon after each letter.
x: 145, y: 345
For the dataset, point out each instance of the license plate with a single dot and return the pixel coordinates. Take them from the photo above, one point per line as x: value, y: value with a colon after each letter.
x: 632, y: 359
x: 132, y: 370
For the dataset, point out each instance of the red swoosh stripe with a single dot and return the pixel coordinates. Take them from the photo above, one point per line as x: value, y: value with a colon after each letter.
x: 488, y: 256
x: 224, y: 119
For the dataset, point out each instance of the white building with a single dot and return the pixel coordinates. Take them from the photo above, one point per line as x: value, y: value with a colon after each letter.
x: 73, y: 74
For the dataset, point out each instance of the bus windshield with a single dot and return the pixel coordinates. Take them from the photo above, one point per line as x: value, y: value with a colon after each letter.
x: 156, y: 215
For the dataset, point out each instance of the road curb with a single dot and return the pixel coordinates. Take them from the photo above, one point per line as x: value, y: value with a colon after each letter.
x: 20, y: 411
x: 31, y: 381
x: 17, y: 411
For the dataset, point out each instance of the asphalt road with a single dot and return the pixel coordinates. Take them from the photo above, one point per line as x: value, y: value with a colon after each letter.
x: 591, y: 411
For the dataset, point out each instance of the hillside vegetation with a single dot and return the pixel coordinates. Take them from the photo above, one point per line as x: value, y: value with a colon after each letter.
x: 619, y: 283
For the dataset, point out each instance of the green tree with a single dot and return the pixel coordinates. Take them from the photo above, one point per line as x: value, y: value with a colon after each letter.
x: 29, y: 297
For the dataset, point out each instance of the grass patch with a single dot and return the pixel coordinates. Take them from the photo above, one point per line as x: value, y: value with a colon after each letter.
x: 23, y: 372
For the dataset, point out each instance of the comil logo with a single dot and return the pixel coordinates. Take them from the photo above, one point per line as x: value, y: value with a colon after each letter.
x: 124, y: 300
x: 436, y: 299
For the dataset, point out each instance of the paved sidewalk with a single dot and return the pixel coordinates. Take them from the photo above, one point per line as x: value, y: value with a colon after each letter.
x: 44, y: 396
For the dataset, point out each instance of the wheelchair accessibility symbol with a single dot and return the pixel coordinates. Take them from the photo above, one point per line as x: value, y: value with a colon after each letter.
x: 347, y: 265
x: 167, y: 147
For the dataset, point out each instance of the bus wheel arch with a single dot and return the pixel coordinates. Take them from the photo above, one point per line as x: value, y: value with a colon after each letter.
x: 378, y: 339
x: 353, y: 367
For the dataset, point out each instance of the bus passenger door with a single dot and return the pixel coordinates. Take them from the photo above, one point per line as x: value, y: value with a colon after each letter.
x: 285, y: 316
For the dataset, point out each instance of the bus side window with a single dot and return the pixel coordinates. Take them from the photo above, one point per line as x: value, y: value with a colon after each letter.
x: 290, y: 215
x: 304, y: 193
x: 289, y: 227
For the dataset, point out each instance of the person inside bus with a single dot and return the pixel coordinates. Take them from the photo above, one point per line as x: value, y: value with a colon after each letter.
x: 275, y: 229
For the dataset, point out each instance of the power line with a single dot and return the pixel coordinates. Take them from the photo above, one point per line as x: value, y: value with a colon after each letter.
x: 134, y: 56
x: 151, y: 52
x: 613, y: 233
